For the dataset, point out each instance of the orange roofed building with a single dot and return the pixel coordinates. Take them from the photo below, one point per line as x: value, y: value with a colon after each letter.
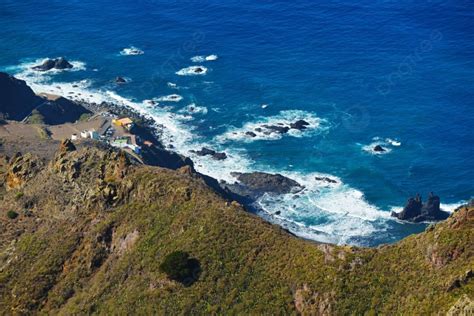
x: 125, y: 122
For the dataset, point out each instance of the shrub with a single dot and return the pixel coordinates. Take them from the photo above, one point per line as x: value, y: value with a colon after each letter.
x: 85, y: 117
x: 35, y: 118
x: 12, y: 214
x: 43, y: 132
x: 19, y: 195
x: 177, y: 266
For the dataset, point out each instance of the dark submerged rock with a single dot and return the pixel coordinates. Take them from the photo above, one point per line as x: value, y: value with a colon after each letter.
x: 326, y: 179
x: 251, y: 134
x: 277, y: 129
x: 209, y: 152
x: 120, y: 80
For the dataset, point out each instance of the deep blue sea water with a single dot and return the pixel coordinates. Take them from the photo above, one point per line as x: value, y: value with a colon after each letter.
x: 388, y: 72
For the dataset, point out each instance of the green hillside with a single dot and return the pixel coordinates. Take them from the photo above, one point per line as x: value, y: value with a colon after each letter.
x: 93, y: 228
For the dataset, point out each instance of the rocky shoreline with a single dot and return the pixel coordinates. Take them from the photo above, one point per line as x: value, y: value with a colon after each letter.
x: 247, y: 187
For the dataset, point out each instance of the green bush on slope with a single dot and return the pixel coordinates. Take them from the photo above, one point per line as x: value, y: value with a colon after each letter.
x: 176, y: 265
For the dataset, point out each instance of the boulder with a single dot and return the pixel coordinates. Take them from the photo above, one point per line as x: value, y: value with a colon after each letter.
x: 209, y: 152
x: 325, y: 179
x: 261, y: 182
x: 219, y: 156
x: 300, y: 125
x: 120, y: 80
x: 59, y: 63
x: 277, y: 129
x: 416, y: 211
x: 62, y: 63
x: 379, y: 148
x: 46, y: 65
x: 251, y: 134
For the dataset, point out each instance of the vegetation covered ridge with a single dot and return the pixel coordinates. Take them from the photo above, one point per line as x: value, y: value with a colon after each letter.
x: 94, y: 233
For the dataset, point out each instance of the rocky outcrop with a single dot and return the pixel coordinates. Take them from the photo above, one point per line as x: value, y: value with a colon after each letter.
x: 254, y: 184
x: 325, y: 179
x: 21, y: 168
x: 66, y: 146
x: 209, y: 152
x: 379, y: 149
x: 309, y: 302
x: 277, y: 129
x: 59, y: 63
x: 281, y: 128
x: 463, y: 307
x: 416, y: 211
x: 120, y: 80
x: 300, y: 125
x: 461, y: 281
x: 17, y: 100
x: 251, y: 134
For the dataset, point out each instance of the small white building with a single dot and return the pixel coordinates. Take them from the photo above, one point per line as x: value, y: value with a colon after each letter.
x: 74, y: 137
x: 90, y: 134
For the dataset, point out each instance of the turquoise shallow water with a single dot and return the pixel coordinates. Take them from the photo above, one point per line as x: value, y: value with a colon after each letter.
x: 398, y: 73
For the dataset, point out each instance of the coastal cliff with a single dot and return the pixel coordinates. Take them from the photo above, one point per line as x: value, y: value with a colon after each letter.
x: 86, y: 230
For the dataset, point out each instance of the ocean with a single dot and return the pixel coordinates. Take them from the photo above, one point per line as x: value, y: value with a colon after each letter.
x: 399, y: 74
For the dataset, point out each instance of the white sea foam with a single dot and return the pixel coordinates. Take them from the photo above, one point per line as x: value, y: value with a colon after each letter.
x: 131, y: 51
x: 150, y: 103
x: 172, y: 85
x: 387, y: 144
x: 324, y: 211
x: 192, y: 71
x: 170, y: 98
x: 26, y: 72
x: 393, y: 142
x: 333, y: 213
x: 258, y: 129
x: 194, y: 109
x: 200, y: 59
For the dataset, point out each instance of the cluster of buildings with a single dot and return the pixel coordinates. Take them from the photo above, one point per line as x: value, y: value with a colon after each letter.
x: 92, y: 134
x: 117, y: 138
x: 127, y: 141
